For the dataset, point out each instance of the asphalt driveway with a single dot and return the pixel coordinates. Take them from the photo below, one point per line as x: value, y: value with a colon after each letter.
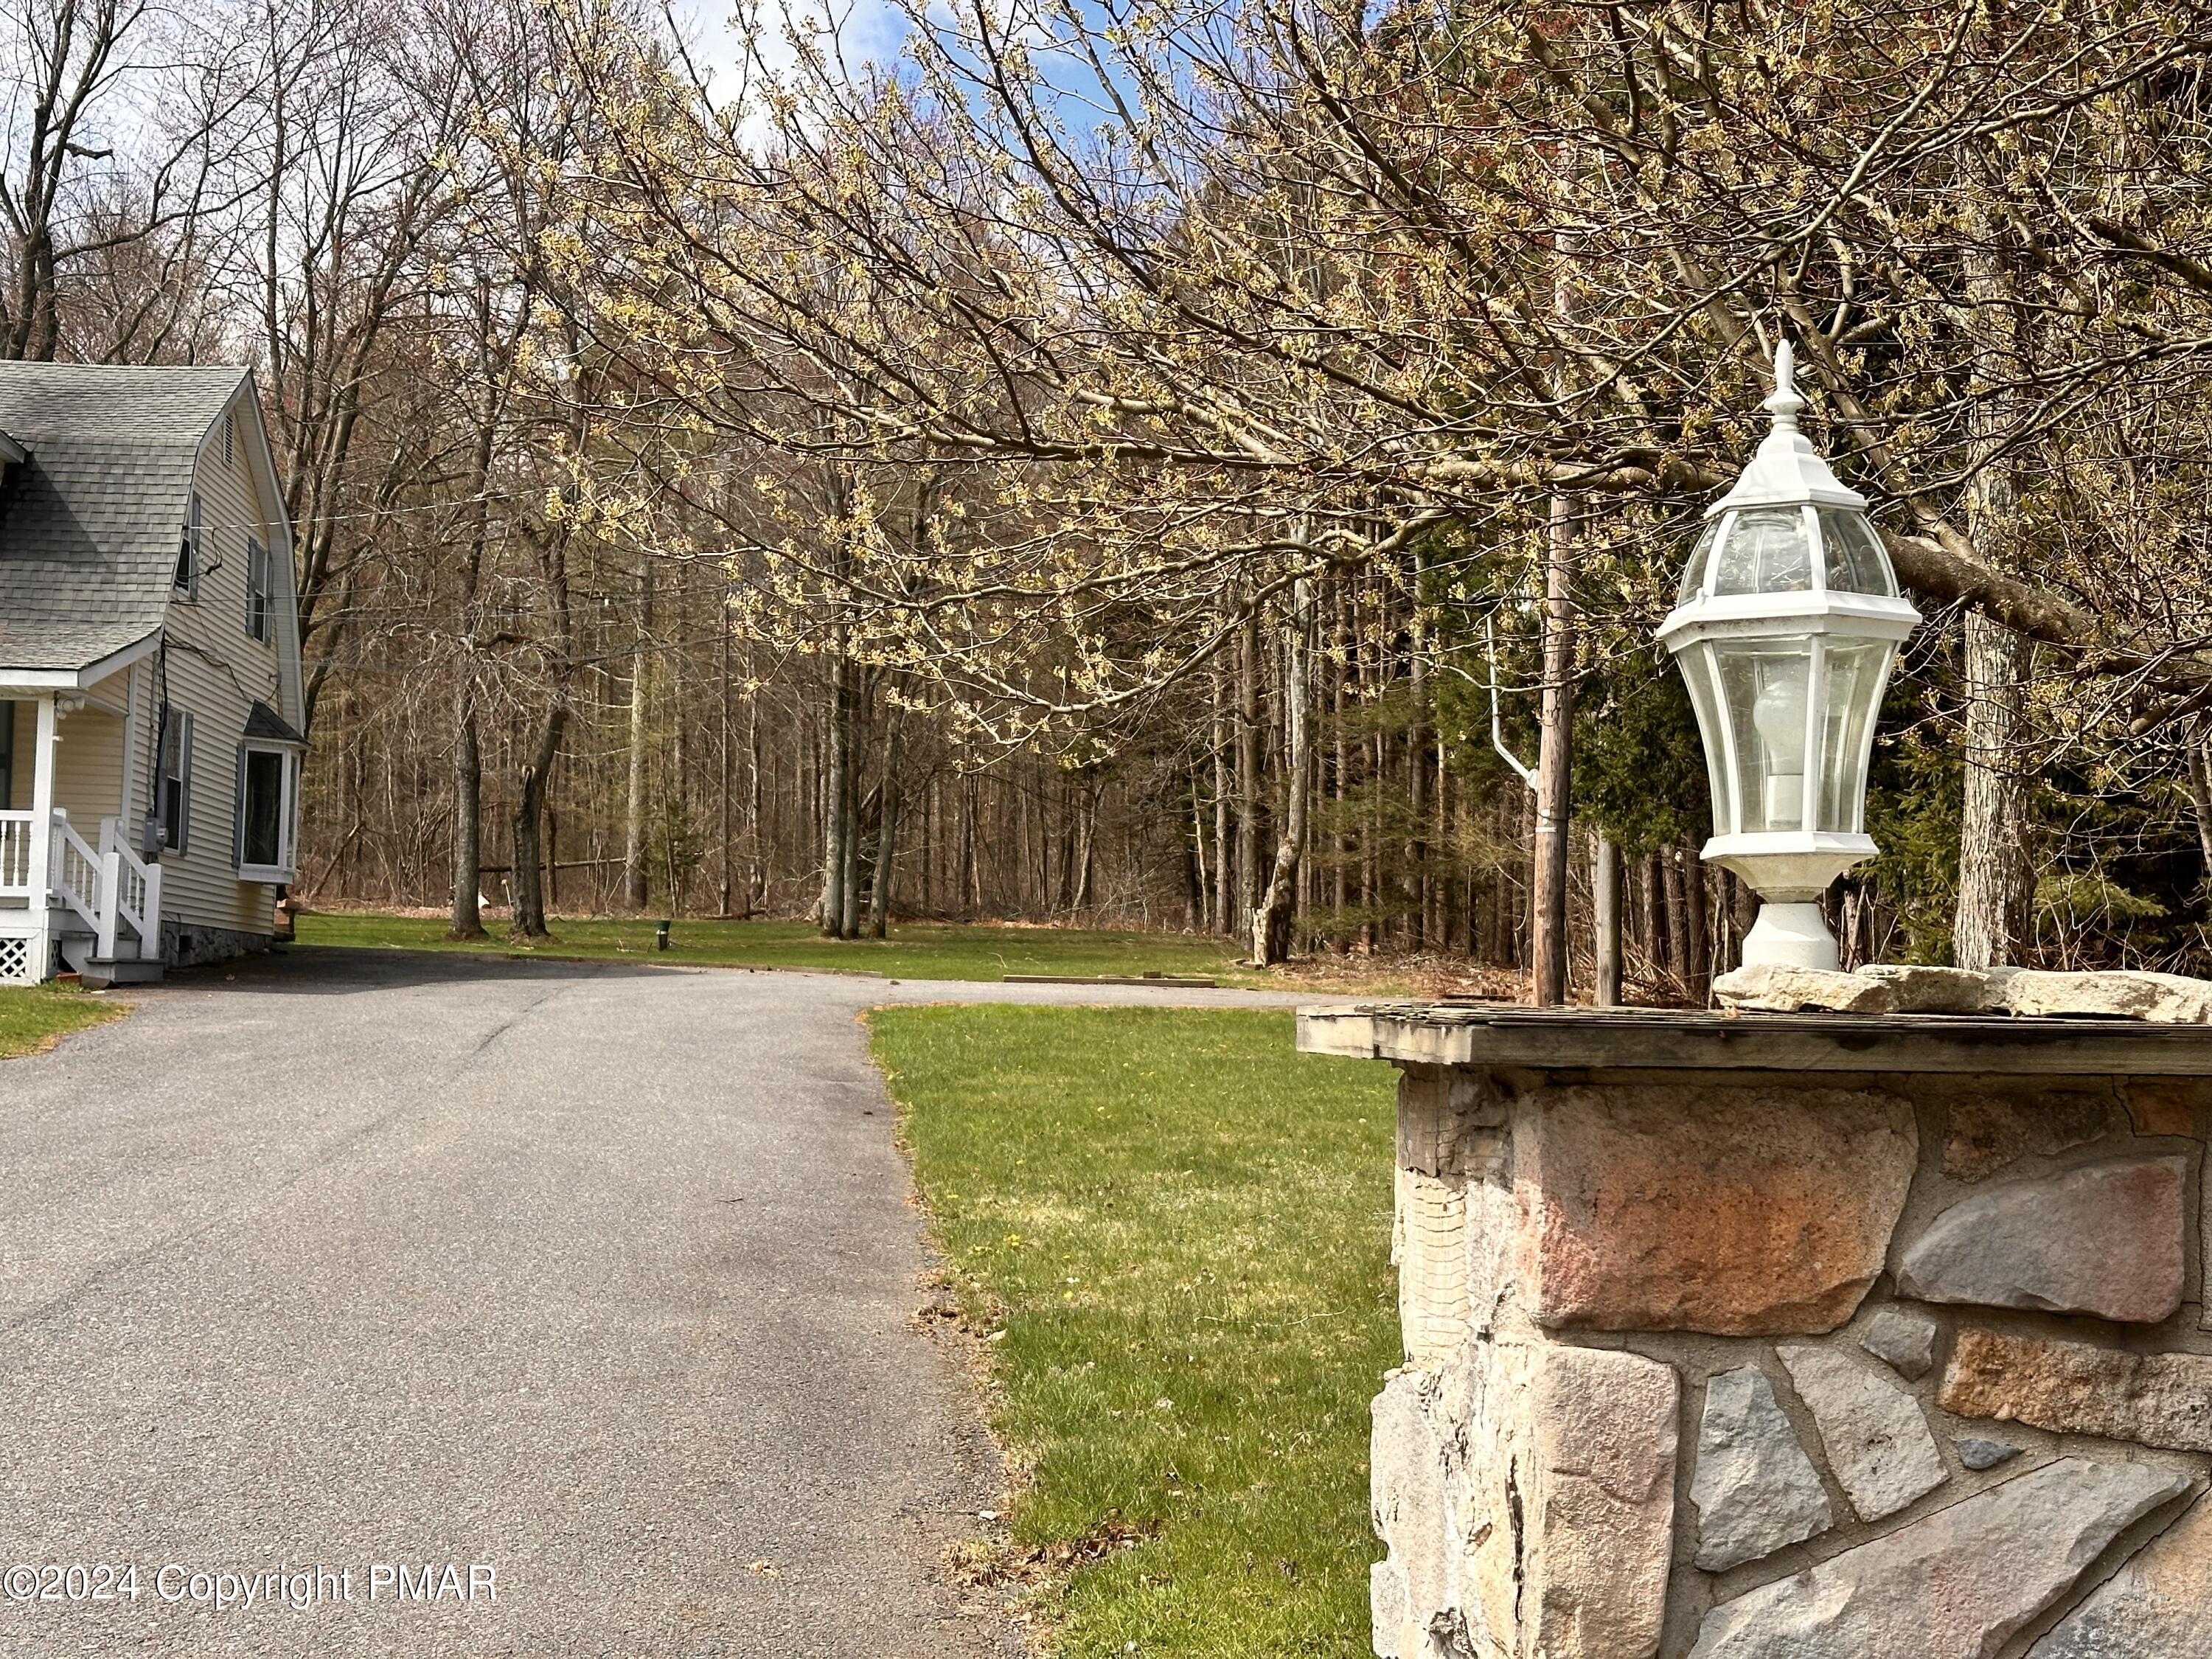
x: 595, y: 1284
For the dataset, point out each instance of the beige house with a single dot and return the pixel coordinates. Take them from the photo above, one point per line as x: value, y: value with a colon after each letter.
x: 150, y: 709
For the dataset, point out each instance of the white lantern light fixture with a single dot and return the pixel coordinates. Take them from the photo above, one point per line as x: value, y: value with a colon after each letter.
x: 1786, y: 629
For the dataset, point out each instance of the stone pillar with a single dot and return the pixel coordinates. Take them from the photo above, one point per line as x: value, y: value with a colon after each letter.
x: 1782, y: 1338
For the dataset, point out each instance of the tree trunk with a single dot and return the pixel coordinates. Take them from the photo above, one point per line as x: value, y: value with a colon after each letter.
x: 633, y: 837
x: 836, y: 786
x: 1416, y: 803
x: 1678, y: 916
x: 1554, y: 765
x: 1247, y: 766
x: 1340, y: 772
x: 1651, y: 891
x: 723, y: 760
x: 1224, y: 859
x: 1604, y: 886
x: 887, y: 812
x: 1086, y: 850
x: 1194, y: 917
x: 1997, y: 863
x: 856, y: 750
x: 755, y: 860
x: 1698, y: 974
x: 2200, y: 796
x: 468, y: 806
x: 1271, y: 920
x: 963, y: 851
x: 530, y: 814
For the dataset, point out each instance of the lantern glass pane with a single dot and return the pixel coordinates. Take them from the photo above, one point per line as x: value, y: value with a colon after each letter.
x: 1855, y: 560
x: 1766, y: 552
x: 1855, y: 676
x: 1763, y: 686
x: 1697, y: 664
x: 1694, y: 576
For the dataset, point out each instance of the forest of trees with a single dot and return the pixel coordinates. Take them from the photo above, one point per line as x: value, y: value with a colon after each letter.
x: 1140, y: 463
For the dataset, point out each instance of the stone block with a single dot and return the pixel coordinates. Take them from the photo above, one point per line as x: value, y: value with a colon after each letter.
x: 2074, y: 1388
x: 1916, y: 990
x: 1978, y: 1453
x: 2159, y: 1606
x: 1494, y: 1214
x: 1387, y: 1612
x: 1406, y: 1481
x: 1432, y: 1256
x: 1754, y: 1488
x: 2108, y: 1240
x: 1446, y: 1122
x: 1988, y: 1132
x: 1956, y: 1584
x: 1600, y: 1499
x: 2165, y: 1106
x: 1878, y: 1443
x: 1903, y: 1339
x: 2166, y: 999
x: 1771, y: 988
x: 1734, y: 1211
x: 1885, y: 989
x: 1523, y: 1486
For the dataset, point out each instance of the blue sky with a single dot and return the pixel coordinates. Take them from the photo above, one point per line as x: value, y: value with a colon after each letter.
x: 870, y: 28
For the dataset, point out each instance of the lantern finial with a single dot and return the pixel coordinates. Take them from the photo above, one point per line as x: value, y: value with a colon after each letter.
x: 1786, y: 402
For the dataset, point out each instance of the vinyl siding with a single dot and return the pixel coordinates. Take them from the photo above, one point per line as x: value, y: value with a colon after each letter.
x: 87, y: 760
x: 215, y: 670
x: 88, y: 769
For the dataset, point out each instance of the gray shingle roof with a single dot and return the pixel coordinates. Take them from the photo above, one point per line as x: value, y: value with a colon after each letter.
x: 263, y: 721
x: 89, y: 523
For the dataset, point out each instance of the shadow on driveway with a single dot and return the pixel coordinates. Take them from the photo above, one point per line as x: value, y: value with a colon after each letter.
x: 341, y: 970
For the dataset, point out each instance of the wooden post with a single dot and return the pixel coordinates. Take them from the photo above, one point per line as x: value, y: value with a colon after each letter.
x: 1605, y: 883
x: 1547, y: 986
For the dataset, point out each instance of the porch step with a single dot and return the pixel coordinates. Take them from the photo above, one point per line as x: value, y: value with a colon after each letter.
x: 98, y: 973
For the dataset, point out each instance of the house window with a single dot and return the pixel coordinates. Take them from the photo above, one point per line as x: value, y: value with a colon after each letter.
x: 188, y: 552
x: 173, y: 781
x: 267, y: 779
x: 257, y: 590
x: 7, y: 755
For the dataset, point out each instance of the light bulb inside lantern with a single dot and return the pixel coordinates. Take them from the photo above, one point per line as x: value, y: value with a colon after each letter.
x: 1778, y: 715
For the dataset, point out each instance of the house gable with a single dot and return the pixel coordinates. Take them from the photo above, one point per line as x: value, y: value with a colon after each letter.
x: 91, y: 519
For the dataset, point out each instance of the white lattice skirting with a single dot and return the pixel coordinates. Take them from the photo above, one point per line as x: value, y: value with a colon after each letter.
x: 17, y: 967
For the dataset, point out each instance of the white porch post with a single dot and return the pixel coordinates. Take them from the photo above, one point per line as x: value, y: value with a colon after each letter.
x: 126, y: 815
x: 42, y: 836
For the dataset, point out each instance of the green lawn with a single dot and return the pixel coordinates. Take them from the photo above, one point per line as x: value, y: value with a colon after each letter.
x: 33, y: 1017
x: 913, y: 952
x: 1181, y: 1227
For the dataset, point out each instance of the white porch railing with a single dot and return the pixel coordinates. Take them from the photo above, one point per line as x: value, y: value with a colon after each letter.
x: 111, y: 891
x: 131, y: 891
x: 74, y: 874
x: 15, y: 856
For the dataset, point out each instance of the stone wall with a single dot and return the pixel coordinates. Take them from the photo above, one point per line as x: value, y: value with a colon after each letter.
x: 1741, y: 1366
x: 191, y: 945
